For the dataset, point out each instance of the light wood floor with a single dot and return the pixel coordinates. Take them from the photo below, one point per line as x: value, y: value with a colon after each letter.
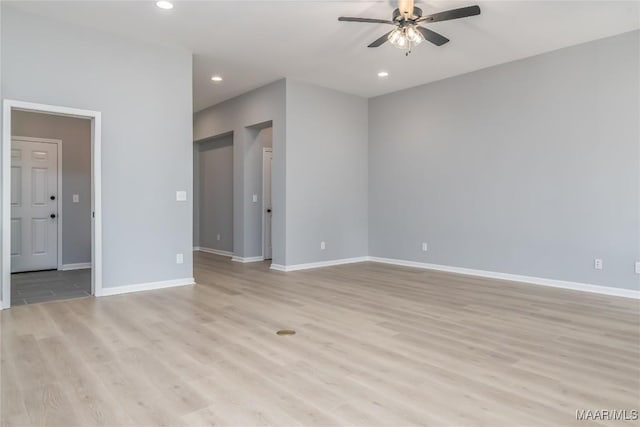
x: 375, y: 345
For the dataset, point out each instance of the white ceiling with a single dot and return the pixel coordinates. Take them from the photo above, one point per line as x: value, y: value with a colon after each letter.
x: 251, y: 43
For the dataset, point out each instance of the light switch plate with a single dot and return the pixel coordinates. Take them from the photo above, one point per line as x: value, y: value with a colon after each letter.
x: 76, y: 198
x: 637, y: 267
x: 181, y: 196
x: 597, y: 264
x: 179, y: 259
x: 255, y: 198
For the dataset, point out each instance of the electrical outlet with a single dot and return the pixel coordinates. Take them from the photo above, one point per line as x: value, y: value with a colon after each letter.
x: 597, y: 264
x: 637, y: 267
x: 76, y: 198
x: 323, y: 246
x: 425, y: 247
x: 181, y: 196
x: 179, y: 258
x: 218, y: 237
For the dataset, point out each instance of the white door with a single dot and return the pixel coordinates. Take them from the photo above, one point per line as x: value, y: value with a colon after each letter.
x: 266, y: 197
x: 34, y: 206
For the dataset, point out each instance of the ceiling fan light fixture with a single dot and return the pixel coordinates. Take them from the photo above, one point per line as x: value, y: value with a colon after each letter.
x: 405, y: 37
x: 394, y: 36
x: 412, y: 34
x: 402, y: 42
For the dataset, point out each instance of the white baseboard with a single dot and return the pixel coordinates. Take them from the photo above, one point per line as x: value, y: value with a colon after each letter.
x: 213, y: 251
x: 2, y: 307
x: 319, y: 264
x: 77, y: 266
x: 563, y: 284
x: 247, y: 259
x: 584, y: 287
x: 145, y: 286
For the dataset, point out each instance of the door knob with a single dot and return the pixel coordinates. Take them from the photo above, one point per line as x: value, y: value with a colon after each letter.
x: 52, y: 216
x: 269, y: 210
x: 52, y: 197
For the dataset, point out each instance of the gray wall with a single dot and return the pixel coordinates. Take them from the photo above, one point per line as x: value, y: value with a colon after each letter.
x: 322, y: 194
x: 241, y: 116
x: 327, y: 170
x: 144, y: 94
x: 530, y: 167
x: 75, y: 134
x: 215, y: 193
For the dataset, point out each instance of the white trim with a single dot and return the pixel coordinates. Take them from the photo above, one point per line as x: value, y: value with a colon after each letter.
x: 96, y: 193
x: 213, y: 251
x: 562, y: 284
x: 76, y: 266
x: 583, y: 287
x: 146, y: 286
x: 319, y: 264
x: 247, y: 259
x: 58, y: 143
x: 6, y: 205
x: 96, y: 203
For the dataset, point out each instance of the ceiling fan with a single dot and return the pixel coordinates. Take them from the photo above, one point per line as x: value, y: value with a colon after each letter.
x: 407, y: 33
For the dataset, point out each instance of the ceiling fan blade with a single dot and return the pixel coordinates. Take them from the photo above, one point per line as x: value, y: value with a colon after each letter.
x: 371, y: 20
x: 381, y: 40
x: 447, y: 15
x: 432, y: 36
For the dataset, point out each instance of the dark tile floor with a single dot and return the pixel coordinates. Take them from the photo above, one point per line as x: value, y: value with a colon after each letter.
x: 41, y: 286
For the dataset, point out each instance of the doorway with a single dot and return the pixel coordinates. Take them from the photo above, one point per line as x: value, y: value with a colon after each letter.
x: 51, y: 203
x: 213, y: 190
x: 257, y: 192
x: 267, y: 209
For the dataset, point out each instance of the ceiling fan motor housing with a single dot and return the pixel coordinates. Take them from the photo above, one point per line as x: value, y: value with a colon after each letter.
x: 397, y: 15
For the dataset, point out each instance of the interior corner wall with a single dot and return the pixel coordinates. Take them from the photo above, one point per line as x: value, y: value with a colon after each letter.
x: 530, y: 168
x: 237, y: 115
x: 327, y: 174
x: 144, y: 93
x: 75, y: 134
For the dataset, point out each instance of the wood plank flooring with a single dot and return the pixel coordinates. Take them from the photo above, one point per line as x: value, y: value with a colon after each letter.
x: 375, y: 345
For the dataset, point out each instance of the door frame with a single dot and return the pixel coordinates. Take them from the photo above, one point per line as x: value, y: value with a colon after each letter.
x: 264, y: 229
x: 58, y: 143
x: 96, y: 189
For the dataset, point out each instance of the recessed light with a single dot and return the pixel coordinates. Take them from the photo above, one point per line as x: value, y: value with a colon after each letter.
x: 383, y: 74
x: 216, y: 79
x: 164, y: 4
